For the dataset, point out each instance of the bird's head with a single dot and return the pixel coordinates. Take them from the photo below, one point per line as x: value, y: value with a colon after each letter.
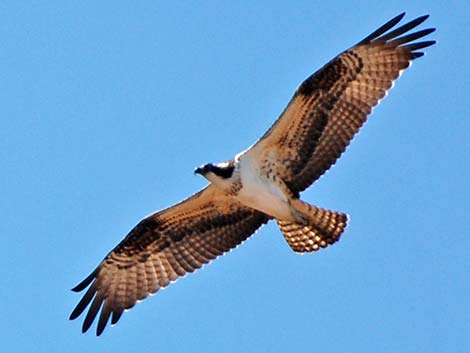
x: 220, y: 173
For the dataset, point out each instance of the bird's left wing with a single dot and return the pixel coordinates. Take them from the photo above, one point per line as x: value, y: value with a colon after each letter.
x: 161, y: 248
x: 329, y: 107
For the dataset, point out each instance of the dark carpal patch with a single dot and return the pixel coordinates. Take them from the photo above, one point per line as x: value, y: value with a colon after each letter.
x: 151, y: 232
x: 323, y: 79
x: 343, y: 68
x: 311, y: 136
x: 141, y: 236
x: 332, y: 80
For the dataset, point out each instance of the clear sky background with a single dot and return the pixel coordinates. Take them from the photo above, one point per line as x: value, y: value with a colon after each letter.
x: 107, y: 107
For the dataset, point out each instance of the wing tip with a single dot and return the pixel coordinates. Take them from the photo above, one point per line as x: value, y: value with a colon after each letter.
x: 104, y: 318
x: 418, y: 20
x: 98, y: 302
x: 92, y: 312
x: 116, y: 315
x: 386, y: 34
x: 382, y: 29
x: 74, y: 314
x: 427, y: 31
x: 417, y: 54
x: 421, y: 45
x: 399, y: 17
x: 83, y: 303
x: 85, y: 283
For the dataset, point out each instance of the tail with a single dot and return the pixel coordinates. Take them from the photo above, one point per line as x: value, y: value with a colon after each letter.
x: 324, y: 228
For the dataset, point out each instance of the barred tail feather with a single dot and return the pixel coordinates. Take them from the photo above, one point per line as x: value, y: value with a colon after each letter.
x: 324, y: 229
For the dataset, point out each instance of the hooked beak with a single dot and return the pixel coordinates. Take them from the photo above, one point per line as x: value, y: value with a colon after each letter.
x: 198, y: 170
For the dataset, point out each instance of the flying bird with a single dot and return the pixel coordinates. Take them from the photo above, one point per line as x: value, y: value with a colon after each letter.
x: 260, y: 184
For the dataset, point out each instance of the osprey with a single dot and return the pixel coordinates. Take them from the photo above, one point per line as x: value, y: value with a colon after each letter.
x: 260, y: 184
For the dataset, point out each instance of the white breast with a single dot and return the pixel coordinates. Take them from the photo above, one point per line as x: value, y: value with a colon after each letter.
x: 261, y: 193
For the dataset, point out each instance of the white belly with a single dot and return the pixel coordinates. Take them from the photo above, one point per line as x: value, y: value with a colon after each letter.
x: 260, y: 193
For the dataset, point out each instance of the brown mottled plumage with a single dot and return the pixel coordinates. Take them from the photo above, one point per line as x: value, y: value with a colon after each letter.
x: 163, y: 247
x: 321, y: 119
x: 329, y: 107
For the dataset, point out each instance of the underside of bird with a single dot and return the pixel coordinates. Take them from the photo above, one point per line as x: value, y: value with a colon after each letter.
x: 319, y: 122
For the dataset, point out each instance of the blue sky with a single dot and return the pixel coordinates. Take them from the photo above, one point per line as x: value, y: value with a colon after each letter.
x: 107, y: 108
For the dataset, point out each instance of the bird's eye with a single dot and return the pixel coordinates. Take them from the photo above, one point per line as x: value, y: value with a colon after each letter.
x: 223, y: 172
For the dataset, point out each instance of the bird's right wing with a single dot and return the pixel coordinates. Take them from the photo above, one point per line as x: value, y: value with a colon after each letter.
x: 161, y: 248
x: 330, y: 107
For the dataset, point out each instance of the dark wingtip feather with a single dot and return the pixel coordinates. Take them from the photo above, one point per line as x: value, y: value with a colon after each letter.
x: 411, y: 37
x: 392, y: 36
x: 382, y: 29
x: 91, y: 314
x: 417, y: 21
x: 403, y: 29
x: 104, y: 317
x: 419, y: 45
x: 395, y: 20
x: 75, y: 313
x: 83, y: 303
x: 116, y: 315
x: 417, y: 54
x: 85, y: 283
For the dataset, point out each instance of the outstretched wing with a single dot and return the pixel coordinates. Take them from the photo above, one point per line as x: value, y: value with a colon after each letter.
x: 329, y: 108
x: 160, y: 249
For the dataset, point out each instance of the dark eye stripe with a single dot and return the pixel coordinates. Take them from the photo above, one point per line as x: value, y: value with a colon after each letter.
x: 223, y: 172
